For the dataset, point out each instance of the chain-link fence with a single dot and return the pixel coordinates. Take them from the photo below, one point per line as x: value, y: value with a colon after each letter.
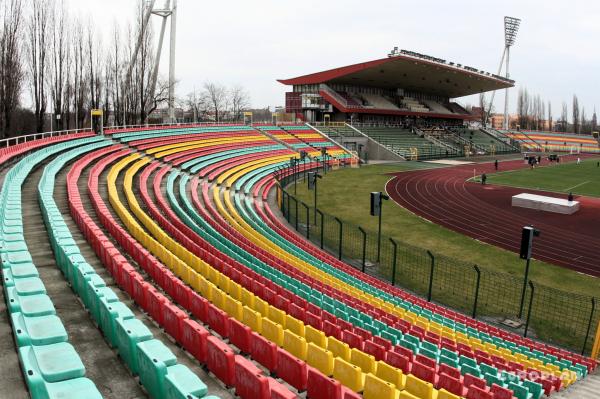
x: 554, y: 316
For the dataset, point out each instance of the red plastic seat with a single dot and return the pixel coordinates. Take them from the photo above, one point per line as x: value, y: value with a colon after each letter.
x: 220, y: 360
x: 239, y: 335
x: 172, y: 320
x: 319, y: 386
x: 478, y: 393
x: 291, y: 369
x: 250, y: 382
x: 218, y: 320
x: 193, y: 339
x: 354, y: 340
x: 263, y: 351
x: 501, y: 393
x: 424, y: 372
x: 451, y: 384
x: 374, y: 349
x: 400, y: 361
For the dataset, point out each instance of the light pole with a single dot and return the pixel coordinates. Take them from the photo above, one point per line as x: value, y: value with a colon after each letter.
x: 376, y: 208
x: 312, y: 185
x: 511, y: 27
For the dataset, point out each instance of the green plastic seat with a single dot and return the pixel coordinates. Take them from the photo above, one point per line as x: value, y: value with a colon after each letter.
x: 19, y: 257
x: 153, y: 359
x: 47, y: 364
x: 129, y: 333
x: 486, y: 368
x: 535, y: 389
x: 29, y: 305
x: 40, y: 330
x: 72, y: 389
x: 23, y: 270
x: 467, y: 369
x: 29, y: 286
x: 14, y: 246
x: 181, y: 383
x: 87, y: 296
x: 81, y: 275
x: 109, y: 313
x: 101, y: 293
x: 493, y: 379
x: 449, y: 361
x: 519, y: 391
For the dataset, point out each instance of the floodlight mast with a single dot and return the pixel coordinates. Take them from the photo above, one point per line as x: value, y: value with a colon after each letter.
x: 511, y: 27
x: 169, y: 10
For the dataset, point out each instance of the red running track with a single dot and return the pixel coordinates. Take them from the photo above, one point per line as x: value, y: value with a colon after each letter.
x: 443, y: 196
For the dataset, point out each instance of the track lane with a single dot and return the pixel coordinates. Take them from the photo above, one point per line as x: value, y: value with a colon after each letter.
x: 444, y: 196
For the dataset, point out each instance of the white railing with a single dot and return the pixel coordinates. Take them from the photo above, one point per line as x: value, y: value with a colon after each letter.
x: 37, y: 136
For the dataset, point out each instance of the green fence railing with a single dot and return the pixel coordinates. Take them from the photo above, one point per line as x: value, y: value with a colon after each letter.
x: 558, y: 317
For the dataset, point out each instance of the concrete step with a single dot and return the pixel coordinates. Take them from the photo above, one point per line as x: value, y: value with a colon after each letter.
x: 589, y: 388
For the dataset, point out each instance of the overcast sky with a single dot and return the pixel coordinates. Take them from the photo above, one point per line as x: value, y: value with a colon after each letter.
x: 255, y: 42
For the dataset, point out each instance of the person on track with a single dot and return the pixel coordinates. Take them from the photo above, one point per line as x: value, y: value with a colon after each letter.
x: 483, y: 178
x: 496, y: 164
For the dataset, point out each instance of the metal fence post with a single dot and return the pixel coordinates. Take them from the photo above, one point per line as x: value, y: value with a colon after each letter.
x: 288, y: 207
x: 529, y: 310
x: 395, y: 245
x: 296, y: 215
x: 430, y: 275
x: 283, y: 207
x: 364, y: 248
x: 525, y: 279
x: 322, y: 224
x: 587, y: 333
x: 340, y: 242
x: 307, y: 220
x: 476, y: 290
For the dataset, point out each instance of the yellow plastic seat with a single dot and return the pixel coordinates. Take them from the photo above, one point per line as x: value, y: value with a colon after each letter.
x: 338, y: 348
x: 294, y: 325
x: 419, y: 388
x: 252, y: 319
x: 391, y: 374
x: 319, y: 358
x: 376, y: 388
x: 443, y: 394
x: 272, y: 331
x: 315, y: 336
x: 294, y: 344
x: 348, y: 374
x: 363, y: 360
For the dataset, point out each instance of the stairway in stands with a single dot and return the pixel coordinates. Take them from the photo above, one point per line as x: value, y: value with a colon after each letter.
x: 586, y: 389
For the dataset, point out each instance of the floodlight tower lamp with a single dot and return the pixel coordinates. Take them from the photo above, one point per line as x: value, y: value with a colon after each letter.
x: 511, y: 28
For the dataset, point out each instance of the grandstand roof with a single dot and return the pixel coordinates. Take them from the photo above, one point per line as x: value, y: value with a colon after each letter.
x: 425, y: 75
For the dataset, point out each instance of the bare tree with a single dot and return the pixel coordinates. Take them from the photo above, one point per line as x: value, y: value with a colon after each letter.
x: 576, y: 121
x: 240, y: 101
x: 550, y: 126
x: 564, y: 118
x: 216, y: 95
x: 594, y: 121
x: 37, y: 48
x: 11, y: 72
x: 59, y: 58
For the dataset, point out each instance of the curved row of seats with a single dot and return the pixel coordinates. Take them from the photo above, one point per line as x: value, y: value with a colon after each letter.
x: 552, y: 141
x: 268, y: 314
x: 51, y: 366
x: 146, y: 357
